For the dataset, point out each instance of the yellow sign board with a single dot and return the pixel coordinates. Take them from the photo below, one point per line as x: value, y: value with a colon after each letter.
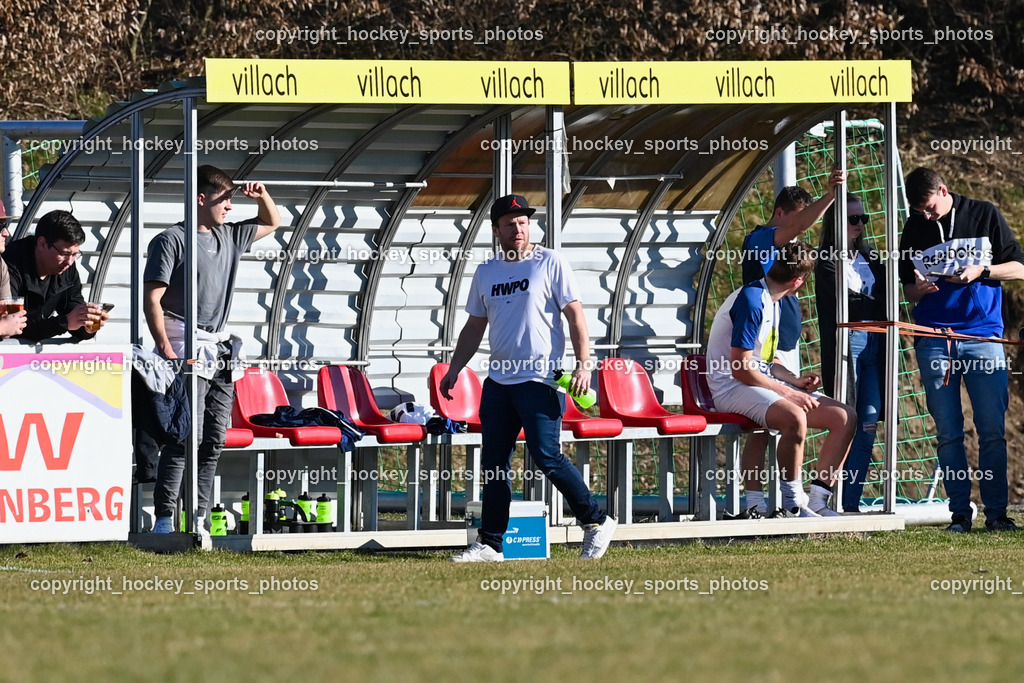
x: 396, y: 82
x: 465, y: 82
x: 742, y: 82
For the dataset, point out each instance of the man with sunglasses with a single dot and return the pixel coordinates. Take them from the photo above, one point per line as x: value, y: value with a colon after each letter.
x: 954, y: 253
x: 42, y: 269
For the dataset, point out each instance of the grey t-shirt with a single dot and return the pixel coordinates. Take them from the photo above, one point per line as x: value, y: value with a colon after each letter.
x: 217, y: 255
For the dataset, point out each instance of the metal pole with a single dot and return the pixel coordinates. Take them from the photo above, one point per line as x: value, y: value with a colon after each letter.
x: 503, y: 156
x: 191, y: 124
x: 892, y: 311
x: 555, y: 142
x: 340, y: 184
x: 11, y: 135
x: 842, y: 301
x: 785, y: 168
x: 138, y: 166
x: 11, y: 150
x: 502, y: 172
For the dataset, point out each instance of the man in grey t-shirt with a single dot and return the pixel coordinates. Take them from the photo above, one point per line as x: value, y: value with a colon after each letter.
x: 219, y: 249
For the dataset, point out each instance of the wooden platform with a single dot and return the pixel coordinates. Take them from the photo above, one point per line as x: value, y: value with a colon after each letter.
x: 452, y: 537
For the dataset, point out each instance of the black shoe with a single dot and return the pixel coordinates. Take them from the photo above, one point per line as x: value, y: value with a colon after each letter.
x: 960, y: 525
x: 1001, y: 523
x: 749, y: 513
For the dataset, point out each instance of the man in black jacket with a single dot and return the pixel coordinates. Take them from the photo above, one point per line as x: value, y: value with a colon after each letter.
x: 42, y: 269
x: 955, y: 253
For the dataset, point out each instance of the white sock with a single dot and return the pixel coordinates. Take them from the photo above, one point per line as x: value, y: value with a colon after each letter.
x: 755, y: 499
x: 793, y: 495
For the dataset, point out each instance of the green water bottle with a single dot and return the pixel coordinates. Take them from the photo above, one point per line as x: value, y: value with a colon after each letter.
x: 323, y: 513
x: 218, y: 521
x: 243, y: 523
x: 270, y: 512
x: 306, y: 504
x: 281, y: 497
x: 564, y: 379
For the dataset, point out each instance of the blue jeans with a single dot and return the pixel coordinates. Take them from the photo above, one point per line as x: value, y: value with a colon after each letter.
x: 537, y: 409
x: 866, y: 351
x: 982, y: 366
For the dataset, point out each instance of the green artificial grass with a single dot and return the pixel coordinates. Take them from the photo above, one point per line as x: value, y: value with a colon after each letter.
x: 840, y: 608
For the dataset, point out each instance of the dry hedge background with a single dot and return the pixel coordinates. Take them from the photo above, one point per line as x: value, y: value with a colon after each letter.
x: 68, y: 59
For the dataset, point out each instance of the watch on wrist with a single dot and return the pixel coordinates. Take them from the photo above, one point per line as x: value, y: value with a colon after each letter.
x: 63, y: 320
x: 985, y: 273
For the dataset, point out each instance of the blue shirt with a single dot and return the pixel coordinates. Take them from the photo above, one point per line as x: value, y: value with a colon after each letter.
x: 758, y: 257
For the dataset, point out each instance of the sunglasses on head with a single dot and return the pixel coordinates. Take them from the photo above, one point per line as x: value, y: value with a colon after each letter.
x: 858, y: 218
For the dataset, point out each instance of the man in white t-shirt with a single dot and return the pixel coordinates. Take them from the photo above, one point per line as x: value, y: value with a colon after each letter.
x: 744, y: 378
x: 523, y: 293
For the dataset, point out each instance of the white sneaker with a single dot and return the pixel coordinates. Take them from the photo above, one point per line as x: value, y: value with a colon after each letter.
x: 597, y: 538
x: 478, y: 552
x: 799, y: 511
x: 201, y: 524
x: 163, y: 525
x: 818, y: 502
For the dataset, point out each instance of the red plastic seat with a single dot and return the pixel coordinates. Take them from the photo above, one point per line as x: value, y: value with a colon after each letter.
x: 626, y: 394
x: 586, y: 427
x: 697, y: 399
x: 238, y: 438
x: 260, y: 391
x: 346, y: 389
x: 465, y: 403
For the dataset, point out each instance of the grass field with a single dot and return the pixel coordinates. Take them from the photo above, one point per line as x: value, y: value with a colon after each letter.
x: 841, y: 608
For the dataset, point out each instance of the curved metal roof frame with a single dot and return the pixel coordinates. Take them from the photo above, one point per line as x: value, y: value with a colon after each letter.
x: 605, y: 157
x: 645, y: 118
x: 315, y: 202
x: 646, y: 212
x: 459, y: 267
x: 401, y: 208
x: 729, y: 212
x: 177, y: 91
x: 125, y: 212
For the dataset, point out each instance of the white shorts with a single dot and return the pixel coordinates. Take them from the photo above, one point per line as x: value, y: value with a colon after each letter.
x: 751, y: 402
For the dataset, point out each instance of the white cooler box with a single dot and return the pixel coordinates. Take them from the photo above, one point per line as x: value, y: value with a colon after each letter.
x: 527, y: 535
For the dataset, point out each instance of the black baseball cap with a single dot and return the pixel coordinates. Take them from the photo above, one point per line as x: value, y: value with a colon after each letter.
x: 512, y: 203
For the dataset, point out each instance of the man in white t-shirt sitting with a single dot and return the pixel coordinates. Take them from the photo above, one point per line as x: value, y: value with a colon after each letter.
x: 523, y: 293
x: 744, y: 378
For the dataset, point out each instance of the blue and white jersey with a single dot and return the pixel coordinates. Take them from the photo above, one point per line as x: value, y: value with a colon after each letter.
x: 758, y: 254
x: 748, y: 319
x: 756, y: 259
